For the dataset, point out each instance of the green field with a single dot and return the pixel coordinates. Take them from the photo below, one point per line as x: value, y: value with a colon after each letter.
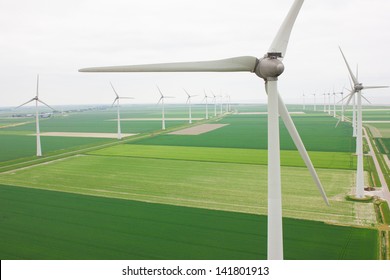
x: 318, y: 133
x: 38, y: 224
x: 332, y: 160
x: 211, y: 185
x: 179, y: 196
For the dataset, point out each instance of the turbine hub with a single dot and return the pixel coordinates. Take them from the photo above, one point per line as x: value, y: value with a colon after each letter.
x: 269, y: 67
x: 359, y: 87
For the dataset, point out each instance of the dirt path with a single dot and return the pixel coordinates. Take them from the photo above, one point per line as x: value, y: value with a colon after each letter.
x: 384, y: 193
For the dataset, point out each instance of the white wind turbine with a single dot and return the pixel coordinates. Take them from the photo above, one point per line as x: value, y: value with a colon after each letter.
x: 38, y: 133
x: 315, y: 104
x: 118, y: 110
x: 215, y: 103
x: 189, y: 104
x: 324, y: 94
x: 163, y: 107
x: 303, y: 99
x: 329, y: 103
x: 269, y: 67
x: 206, y: 99
x: 357, y: 90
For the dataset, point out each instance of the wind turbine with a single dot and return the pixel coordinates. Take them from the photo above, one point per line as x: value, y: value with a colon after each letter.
x: 329, y: 103
x: 303, y: 100
x: 163, y: 107
x: 38, y: 134
x: 189, y: 104
x: 315, y: 104
x: 215, y: 103
x: 324, y: 94
x: 357, y: 90
x: 207, y: 109
x: 269, y: 68
x: 118, y: 110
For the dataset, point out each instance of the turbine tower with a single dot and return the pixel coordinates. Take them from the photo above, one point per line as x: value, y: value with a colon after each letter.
x: 324, y: 94
x: 303, y: 100
x: 215, y: 103
x: 189, y: 105
x: 206, y: 99
x: 269, y: 67
x: 357, y: 90
x: 118, y: 110
x: 161, y: 100
x: 38, y: 133
x: 315, y: 104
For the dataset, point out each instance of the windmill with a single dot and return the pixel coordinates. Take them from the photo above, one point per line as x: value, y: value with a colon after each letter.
x: 329, y: 103
x: 324, y: 94
x: 357, y: 90
x: 315, y: 104
x: 215, y: 103
x: 189, y: 104
x: 161, y: 100
x: 38, y: 133
x: 118, y: 110
x: 206, y: 99
x: 269, y: 67
x: 303, y: 99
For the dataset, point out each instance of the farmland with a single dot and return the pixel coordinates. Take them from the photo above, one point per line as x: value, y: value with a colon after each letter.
x: 53, y: 225
x: 180, y: 196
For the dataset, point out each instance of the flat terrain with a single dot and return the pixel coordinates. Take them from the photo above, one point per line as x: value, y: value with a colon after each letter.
x: 39, y: 224
x: 210, y: 185
x: 180, y: 196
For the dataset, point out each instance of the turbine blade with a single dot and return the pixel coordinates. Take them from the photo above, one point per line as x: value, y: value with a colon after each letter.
x: 350, y: 97
x: 345, y: 97
x: 354, y: 79
x: 299, y: 144
x: 112, y: 105
x: 161, y: 98
x: 159, y: 90
x: 337, y: 124
x: 37, y: 85
x: 32, y: 99
x: 187, y: 93
x: 114, y: 91
x: 126, y: 97
x: 46, y: 105
x: 366, y: 99
x: 373, y: 87
x: 235, y: 64
x: 280, y: 42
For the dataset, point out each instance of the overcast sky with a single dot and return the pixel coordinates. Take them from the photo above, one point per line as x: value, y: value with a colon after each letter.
x: 56, y: 38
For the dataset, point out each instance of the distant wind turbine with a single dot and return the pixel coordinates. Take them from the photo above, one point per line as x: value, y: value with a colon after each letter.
x: 38, y: 134
x: 357, y: 90
x: 189, y: 104
x: 118, y: 110
x: 324, y: 94
x: 269, y: 67
x: 215, y: 103
x: 161, y: 100
x: 315, y: 104
x: 206, y: 99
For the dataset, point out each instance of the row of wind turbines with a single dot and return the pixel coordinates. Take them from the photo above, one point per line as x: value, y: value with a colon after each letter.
x: 269, y: 68
x: 117, y: 103
x: 356, y: 95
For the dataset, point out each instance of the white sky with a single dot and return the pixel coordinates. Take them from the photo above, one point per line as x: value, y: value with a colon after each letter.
x: 56, y: 38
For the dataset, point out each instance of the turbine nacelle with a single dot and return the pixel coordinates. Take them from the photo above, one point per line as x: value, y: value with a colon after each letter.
x: 359, y: 87
x: 269, y: 67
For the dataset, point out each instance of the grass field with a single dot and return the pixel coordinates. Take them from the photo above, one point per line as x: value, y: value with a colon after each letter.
x: 332, y: 160
x: 39, y: 224
x: 318, y: 133
x: 211, y: 185
x: 178, y: 196
x: 19, y: 146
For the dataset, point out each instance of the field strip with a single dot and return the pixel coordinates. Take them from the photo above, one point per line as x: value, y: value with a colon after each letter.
x: 14, y: 124
x: 376, y: 121
x: 198, y: 129
x: 266, y: 113
x: 40, y: 164
x: 157, y: 119
x: 85, y: 134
